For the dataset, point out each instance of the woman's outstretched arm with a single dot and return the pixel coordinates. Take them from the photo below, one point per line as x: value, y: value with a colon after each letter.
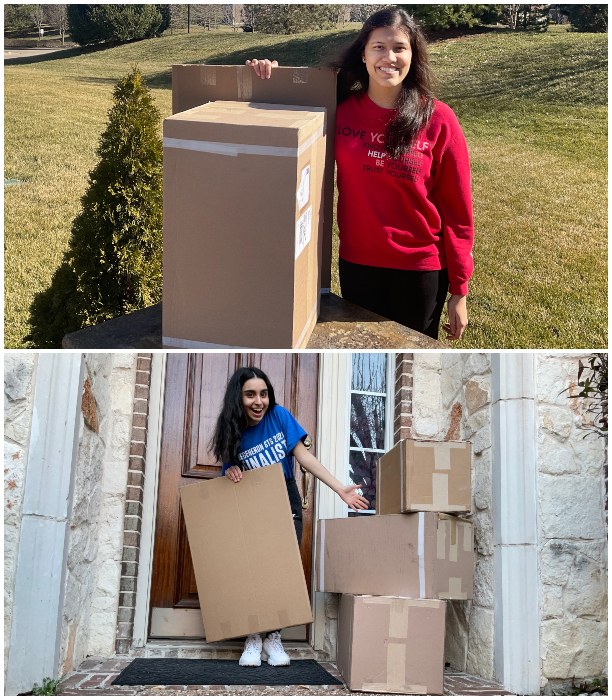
x: 347, y: 493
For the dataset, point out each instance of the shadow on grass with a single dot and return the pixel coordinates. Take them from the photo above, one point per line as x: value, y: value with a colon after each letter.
x: 287, y: 50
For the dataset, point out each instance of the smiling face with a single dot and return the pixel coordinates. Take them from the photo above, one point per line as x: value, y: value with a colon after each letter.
x: 255, y: 400
x: 387, y: 56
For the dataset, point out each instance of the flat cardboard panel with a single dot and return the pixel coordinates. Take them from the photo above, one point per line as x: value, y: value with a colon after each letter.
x: 415, y: 555
x: 194, y: 85
x: 245, y: 554
x: 420, y: 475
x: 390, y: 644
x: 231, y: 277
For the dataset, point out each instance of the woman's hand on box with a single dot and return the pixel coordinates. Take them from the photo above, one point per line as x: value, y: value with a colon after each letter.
x: 234, y: 474
x: 354, y: 500
x: 263, y: 67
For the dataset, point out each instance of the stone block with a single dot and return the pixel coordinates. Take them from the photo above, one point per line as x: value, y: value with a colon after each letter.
x: 476, y: 363
x: 570, y: 507
x: 480, y: 642
x: 552, y: 602
x: 589, y: 452
x: 573, y: 648
x: 426, y: 403
x: 557, y: 420
x: 125, y: 615
x: 483, y: 532
x: 484, y: 581
x: 18, y: 371
x: 556, y: 559
x: 477, y: 393
x: 123, y: 360
x: 482, y: 478
x: 481, y: 440
x: 475, y: 422
x: 451, y: 378
x: 428, y: 360
x: 555, y: 457
x: 586, y: 588
x: 553, y: 376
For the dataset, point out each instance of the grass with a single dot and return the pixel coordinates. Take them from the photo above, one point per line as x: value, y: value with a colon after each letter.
x: 533, y: 108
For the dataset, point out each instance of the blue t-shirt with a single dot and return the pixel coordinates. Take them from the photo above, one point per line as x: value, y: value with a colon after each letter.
x: 270, y: 441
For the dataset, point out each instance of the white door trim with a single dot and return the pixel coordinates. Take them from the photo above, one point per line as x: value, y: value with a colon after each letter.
x: 334, y: 373
x: 515, y: 536
x: 40, y: 576
x: 149, y: 499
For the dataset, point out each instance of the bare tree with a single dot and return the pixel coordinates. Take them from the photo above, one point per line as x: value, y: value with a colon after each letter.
x: 233, y: 15
x: 57, y: 16
x: 178, y: 17
x: 38, y: 16
x: 207, y: 16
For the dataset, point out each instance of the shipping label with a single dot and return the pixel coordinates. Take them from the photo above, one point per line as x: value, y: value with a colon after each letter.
x: 303, y: 230
x: 303, y: 193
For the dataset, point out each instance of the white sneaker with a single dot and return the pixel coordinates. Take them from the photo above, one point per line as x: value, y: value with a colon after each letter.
x: 273, y: 651
x: 251, y: 656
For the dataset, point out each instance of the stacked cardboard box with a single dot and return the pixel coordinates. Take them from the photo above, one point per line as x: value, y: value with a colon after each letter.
x: 392, y: 609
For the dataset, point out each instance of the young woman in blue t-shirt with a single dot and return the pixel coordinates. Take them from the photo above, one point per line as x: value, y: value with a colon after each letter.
x: 253, y: 431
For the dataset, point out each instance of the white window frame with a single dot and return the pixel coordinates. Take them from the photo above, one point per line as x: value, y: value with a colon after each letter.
x: 389, y: 416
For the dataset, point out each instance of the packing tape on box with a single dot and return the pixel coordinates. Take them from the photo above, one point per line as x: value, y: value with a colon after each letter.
x: 405, y: 689
x: 467, y: 537
x: 307, y: 326
x: 244, y: 82
x: 208, y: 75
x: 454, y: 590
x: 421, y: 552
x: 439, y: 488
x: 300, y: 76
x: 236, y: 149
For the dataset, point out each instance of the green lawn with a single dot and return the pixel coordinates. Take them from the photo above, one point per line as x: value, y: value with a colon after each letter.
x: 533, y: 108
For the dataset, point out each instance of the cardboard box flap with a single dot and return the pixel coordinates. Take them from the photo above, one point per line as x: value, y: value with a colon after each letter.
x: 247, y: 123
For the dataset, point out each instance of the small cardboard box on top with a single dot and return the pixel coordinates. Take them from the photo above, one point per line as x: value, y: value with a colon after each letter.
x: 420, y: 475
x: 245, y: 554
x: 243, y: 189
x: 391, y: 645
x: 194, y: 85
x: 413, y: 555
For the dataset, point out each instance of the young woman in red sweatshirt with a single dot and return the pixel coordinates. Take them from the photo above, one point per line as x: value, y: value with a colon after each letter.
x: 403, y: 175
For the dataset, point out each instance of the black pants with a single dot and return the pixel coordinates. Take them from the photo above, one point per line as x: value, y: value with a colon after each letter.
x: 413, y: 298
x: 295, y: 500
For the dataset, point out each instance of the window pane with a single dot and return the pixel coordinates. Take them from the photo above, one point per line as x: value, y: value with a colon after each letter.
x: 368, y: 421
x: 362, y: 470
x: 370, y: 372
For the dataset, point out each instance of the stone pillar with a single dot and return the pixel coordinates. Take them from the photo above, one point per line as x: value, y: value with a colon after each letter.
x: 40, y: 576
x: 515, y: 557
x: 133, y: 506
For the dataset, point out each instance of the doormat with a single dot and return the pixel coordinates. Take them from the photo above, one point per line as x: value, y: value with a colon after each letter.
x: 216, y: 672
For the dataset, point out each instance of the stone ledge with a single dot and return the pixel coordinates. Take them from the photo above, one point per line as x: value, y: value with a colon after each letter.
x: 340, y: 325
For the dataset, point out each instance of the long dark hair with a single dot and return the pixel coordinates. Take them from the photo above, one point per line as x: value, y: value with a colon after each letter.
x: 232, y: 421
x: 415, y: 103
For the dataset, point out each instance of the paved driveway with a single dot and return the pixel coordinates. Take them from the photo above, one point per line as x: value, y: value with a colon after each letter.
x: 13, y: 53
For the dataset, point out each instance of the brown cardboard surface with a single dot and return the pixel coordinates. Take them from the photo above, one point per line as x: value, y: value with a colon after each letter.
x: 193, y: 85
x: 422, y: 475
x: 391, y: 644
x: 234, y: 274
x: 245, y: 554
x: 415, y: 555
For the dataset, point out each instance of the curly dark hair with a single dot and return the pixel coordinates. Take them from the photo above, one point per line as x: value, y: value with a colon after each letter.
x: 232, y: 421
x: 415, y: 103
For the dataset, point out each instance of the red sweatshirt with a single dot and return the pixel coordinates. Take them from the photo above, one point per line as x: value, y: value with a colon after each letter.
x: 414, y: 213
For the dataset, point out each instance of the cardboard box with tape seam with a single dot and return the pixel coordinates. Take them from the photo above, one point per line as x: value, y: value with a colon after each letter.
x: 424, y: 475
x: 413, y: 555
x: 245, y: 554
x: 243, y: 192
x: 391, y: 644
x: 194, y: 85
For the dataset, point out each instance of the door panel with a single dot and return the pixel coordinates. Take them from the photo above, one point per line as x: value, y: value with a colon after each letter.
x: 195, y: 384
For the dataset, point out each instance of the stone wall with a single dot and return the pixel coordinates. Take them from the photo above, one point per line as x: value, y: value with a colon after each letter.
x: 96, y: 532
x: 19, y: 380
x: 571, y: 528
x: 452, y: 401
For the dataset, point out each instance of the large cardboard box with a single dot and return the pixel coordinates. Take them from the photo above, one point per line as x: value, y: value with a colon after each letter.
x: 391, y: 645
x: 243, y: 188
x: 194, y: 85
x: 420, y: 475
x: 416, y: 555
x: 245, y: 554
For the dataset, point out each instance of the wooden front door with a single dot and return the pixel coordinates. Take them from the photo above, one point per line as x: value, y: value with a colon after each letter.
x: 195, y: 384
